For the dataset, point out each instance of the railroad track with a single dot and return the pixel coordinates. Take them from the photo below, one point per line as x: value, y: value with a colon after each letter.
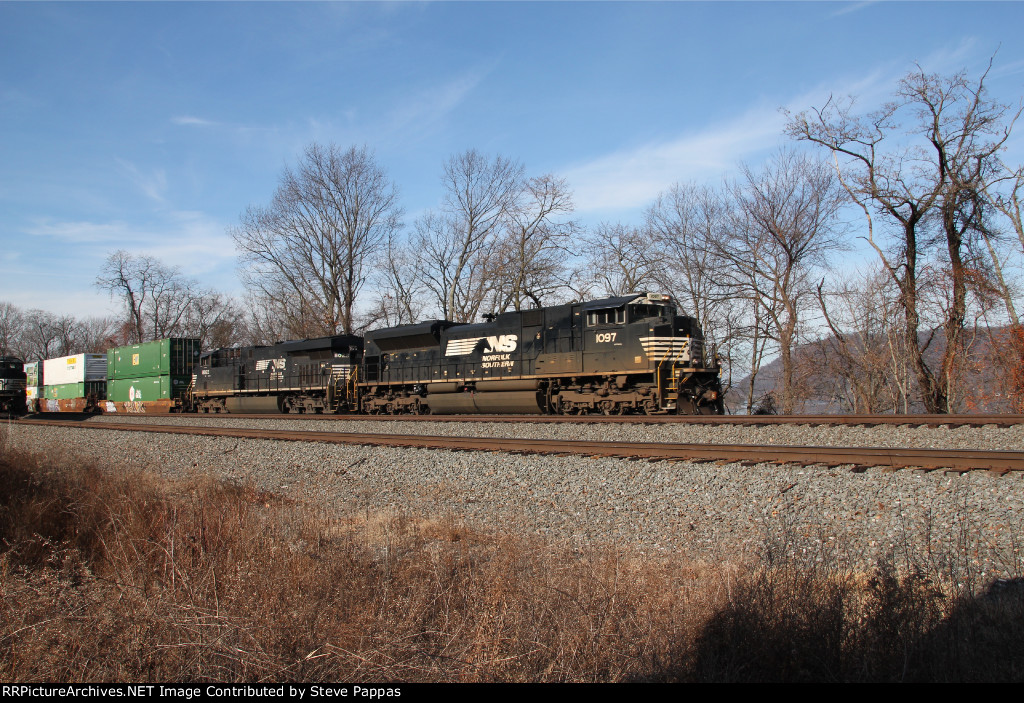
x: 918, y: 420
x: 856, y: 458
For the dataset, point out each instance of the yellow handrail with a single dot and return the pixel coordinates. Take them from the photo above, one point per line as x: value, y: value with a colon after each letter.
x: 673, y: 357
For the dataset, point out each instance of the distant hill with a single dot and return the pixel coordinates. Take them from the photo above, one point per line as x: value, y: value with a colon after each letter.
x: 983, y: 385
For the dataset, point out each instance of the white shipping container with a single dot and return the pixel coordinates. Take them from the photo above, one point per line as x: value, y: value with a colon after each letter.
x: 75, y: 369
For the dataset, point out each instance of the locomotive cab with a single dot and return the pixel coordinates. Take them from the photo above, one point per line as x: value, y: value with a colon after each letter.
x: 624, y: 334
x: 639, y: 355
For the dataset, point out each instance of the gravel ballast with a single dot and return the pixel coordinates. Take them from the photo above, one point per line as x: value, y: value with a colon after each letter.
x: 968, y: 526
x: 988, y: 437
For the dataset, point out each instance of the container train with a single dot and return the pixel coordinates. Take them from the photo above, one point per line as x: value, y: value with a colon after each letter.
x: 619, y: 355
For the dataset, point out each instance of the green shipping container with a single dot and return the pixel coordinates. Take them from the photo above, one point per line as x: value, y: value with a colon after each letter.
x: 67, y: 391
x: 164, y: 357
x: 129, y: 390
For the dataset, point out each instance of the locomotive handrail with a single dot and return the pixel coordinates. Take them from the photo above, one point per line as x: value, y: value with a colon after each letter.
x: 352, y: 389
x: 674, y: 365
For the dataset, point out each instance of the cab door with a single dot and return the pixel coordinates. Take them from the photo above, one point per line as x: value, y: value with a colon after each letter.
x: 603, y: 333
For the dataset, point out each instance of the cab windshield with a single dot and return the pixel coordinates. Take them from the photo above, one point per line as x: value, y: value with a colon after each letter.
x: 642, y: 312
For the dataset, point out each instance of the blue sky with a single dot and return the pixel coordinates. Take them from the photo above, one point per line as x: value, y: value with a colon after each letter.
x: 152, y: 126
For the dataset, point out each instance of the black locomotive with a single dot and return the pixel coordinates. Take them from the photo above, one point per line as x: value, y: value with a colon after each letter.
x: 310, y: 375
x: 620, y: 355
x: 12, y: 385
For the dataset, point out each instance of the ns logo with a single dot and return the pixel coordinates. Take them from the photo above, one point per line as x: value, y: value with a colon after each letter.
x: 503, y: 343
x: 485, y: 345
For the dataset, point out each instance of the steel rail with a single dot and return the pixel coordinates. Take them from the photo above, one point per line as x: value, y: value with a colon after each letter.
x: 859, y: 458
x: 917, y: 420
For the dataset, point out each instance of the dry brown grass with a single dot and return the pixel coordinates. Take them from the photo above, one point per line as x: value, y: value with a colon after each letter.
x: 131, y: 577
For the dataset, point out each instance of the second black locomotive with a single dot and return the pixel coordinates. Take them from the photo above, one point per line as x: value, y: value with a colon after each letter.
x: 12, y: 385
x: 618, y: 355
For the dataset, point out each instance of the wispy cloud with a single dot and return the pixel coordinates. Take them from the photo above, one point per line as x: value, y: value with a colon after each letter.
x: 419, y: 111
x: 951, y: 59
x: 52, y: 297
x: 432, y: 104
x: 79, y: 232
x: 853, y: 7
x: 1006, y: 69
x: 190, y: 121
x: 632, y: 178
x: 153, y: 184
x: 192, y: 240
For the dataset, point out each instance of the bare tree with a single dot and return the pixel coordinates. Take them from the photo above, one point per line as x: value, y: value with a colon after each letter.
x: 47, y: 335
x: 529, y: 261
x: 453, y: 248
x: 935, y: 181
x: 1002, y: 191
x: 214, y: 319
x: 687, y: 225
x: 864, y: 358
x: 12, y: 325
x: 397, y: 297
x: 752, y: 332
x: 260, y: 324
x: 617, y: 259
x: 95, y: 335
x: 786, y: 226
x: 37, y: 334
x: 450, y: 270
x: 155, y: 297
x: 306, y: 253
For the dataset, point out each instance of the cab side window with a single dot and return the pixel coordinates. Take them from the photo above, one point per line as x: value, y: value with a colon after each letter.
x: 610, y: 316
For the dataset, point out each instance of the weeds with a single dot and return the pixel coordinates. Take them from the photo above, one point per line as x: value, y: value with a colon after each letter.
x: 134, y: 577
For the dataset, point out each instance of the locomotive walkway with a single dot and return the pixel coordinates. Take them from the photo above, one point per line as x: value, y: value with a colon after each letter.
x: 856, y: 458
